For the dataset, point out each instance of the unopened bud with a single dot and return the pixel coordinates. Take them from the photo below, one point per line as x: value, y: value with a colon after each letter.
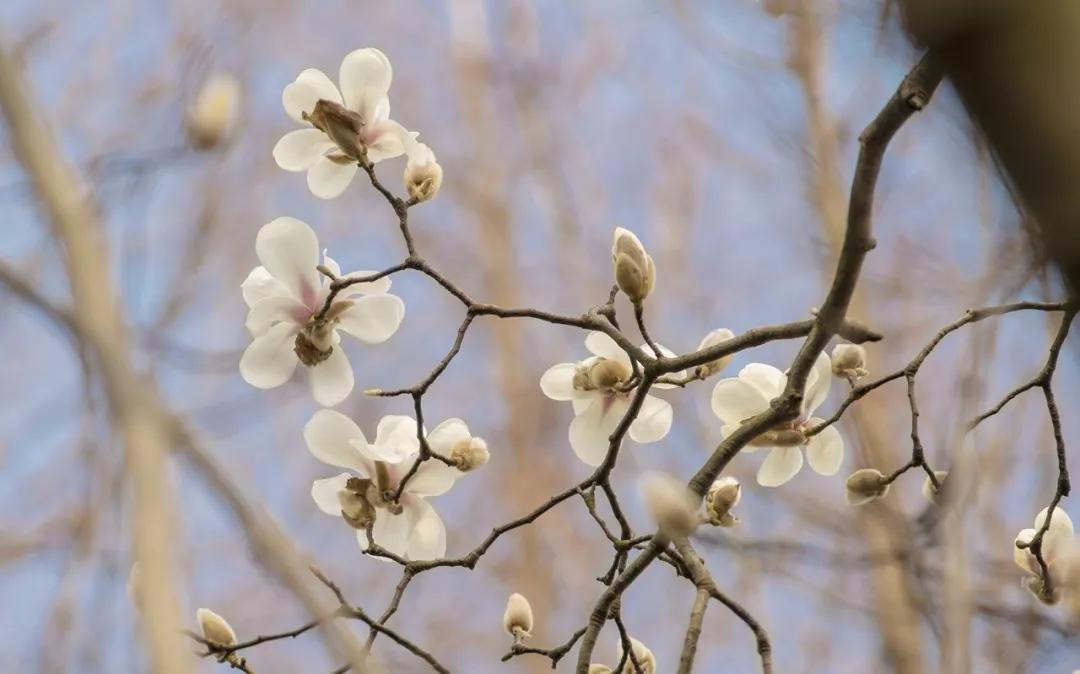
x: 212, y: 118
x: 723, y: 495
x: 599, y: 669
x: 423, y: 175
x: 929, y: 492
x: 712, y: 339
x: 645, y: 659
x: 849, y: 361
x: 215, y: 629
x: 518, y: 617
x: 469, y: 454
x: 672, y: 506
x: 635, y: 272
x: 865, y: 485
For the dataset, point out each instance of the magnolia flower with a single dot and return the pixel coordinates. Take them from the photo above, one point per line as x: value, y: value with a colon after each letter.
x: 723, y: 495
x: 213, y: 115
x: 518, y: 617
x: 671, y: 505
x: 423, y: 175
x: 341, y: 127
x: 215, y: 628
x: 735, y: 400
x: 409, y: 527
x: 635, y: 272
x: 712, y: 339
x: 595, y: 387
x: 865, y: 485
x: 1056, y: 544
x: 286, y: 295
x: 645, y: 658
x: 595, y: 668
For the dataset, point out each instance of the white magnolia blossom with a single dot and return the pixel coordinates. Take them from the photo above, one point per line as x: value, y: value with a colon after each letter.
x: 409, y: 528
x: 285, y: 296
x: 594, y: 386
x: 712, y: 339
x: 350, y: 120
x: 735, y: 400
x: 645, y: 658
x: 1057, y: 543
x: 214, y: 628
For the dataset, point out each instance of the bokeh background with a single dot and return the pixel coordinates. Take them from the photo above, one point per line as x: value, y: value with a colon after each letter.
x: 723, y: 133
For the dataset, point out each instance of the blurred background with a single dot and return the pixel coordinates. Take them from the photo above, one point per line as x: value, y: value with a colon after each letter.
x: 722, y: 133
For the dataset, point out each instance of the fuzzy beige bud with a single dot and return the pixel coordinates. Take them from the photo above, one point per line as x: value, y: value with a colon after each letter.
x: 215, y: 628
x: 724, y: 494
x: 469, y: 454
x: 865, y: 485
x: 928, y: 491
x: 849, y: 361
x: 712, y: 339
x: 423, y: 174
x: 635, y: 272
x: 672, y: 506
x: 518, y: 617
x: 212, y: 118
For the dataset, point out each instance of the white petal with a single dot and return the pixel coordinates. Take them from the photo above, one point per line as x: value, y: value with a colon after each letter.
x: 590, y: 429
x: 735, y: 400
x: 653, y: 421
x: 309, y: 86
x: 395, y: 439
x: 331, y: 380
x: 386, y: 140
x: 825, y: 452
x: 377, y: 287
x: 432, y: 478
x: 289, y: 250
x: 558, y: 382
x: 779, y: 466
x: 600, y: 344
x: 1024, y: 559
x: 330, y: 437
x: 365, y: 79
x: 325, y: 493
x: 390, y: 531
x: 667, y: 353
x: 327, y: 179
x: 1059, y: 522
x: 281, y: 308
x: 817, y: 387
x: 764, y: 378
x: 260, y: 285
x: 373, y: 319
x: 447, y: 434
x: 299, y: 150
x: 269, y: 360
x: 428, y: 537
x: 1058, y: 536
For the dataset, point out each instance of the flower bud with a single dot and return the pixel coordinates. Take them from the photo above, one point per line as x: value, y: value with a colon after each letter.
x: 928, y: 491
x: 599, y: 669
x: 518, y: 618
x: 672, y: 506
x: 423, y: 175
x: 645, y: 659
x: 865, y: 485
x: 635, y: 272
x: 214, y: 628
x: 712, y: 339
x: 849, y: 361
x: 211, y: 120
x: 469, y: 454
x: 723, y: 495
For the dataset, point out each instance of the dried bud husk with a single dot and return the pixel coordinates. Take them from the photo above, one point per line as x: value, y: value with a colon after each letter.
x: 672, y: 506
x: 713, y: 338
x: 605, y: 374
x: 865, y: 485
x: 215, y: 628
x: 518, y: 617
x: 723, y: 495
x: 356, y: 509
x: 423, y: 174
x: 212, y: 119
x: 469, y: 454
x: 928, y: 491
x: 635, y: 272
x: 849, y: 361
x: 342, y: 125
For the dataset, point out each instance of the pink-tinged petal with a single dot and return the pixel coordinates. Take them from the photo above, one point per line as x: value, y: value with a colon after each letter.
x: 373, y: 319
x: 386, y: 140
x: 782, y: 464
x: 331, y: 437
x: 428, y: 537
x: 309, y: 86
x: 395, y: 439
x: 365, y: 79
x: 764, y: 378
x: 653, y: 420
x: 600, y: 344
x: 328, y: 179
x: 331, y: 380
x: 271, y: 310
x: 735, y: 400
x: 591, y: 428
x: 260, y: 285
x: 299, y: 150
x: 557, y: 382
x: 289, y: 250
x: 325, y: 493
x: 432, y: 478
x: 447, y: 434
x: 825, y: 451
x: 269, y: 361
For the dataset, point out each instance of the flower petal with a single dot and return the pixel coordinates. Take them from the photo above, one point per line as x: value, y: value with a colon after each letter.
x: 269, y: 361
x: 289, y: 250
x: 365, y: 78
x: 1024, y: 559
x: 378, y: 287
x: 331, y: 380
x: 299, y: 150
x: 782, y: 464
x: 395, y: 439
x: 428, y: 537
x: 327, y: 179
x: 390, y: 531
x: 447, y: 434
x: 825, y: 452
x: 325, y: 493
x: 260, y: 285
x: 765, y: 378
x: 653, y: 420
x: 735, y: 400
x: 600, y: 344
x: 277, y: 309
x: 373, y: 319
x: 817, y: 387
x: 432, y: 478
x: 558, y: 382
x: 386, y: 140
x: 330, y: 437
x: 591, y: 428
x: 301, y: 95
